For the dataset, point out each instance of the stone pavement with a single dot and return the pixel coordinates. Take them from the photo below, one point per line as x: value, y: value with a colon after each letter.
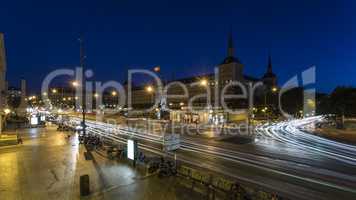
x: 6, y: 139
x: 48, y: 166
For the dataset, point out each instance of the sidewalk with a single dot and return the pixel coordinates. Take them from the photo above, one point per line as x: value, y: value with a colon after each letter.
x: 6, y: 140
x: 119, y: 180
x: 48, y: 166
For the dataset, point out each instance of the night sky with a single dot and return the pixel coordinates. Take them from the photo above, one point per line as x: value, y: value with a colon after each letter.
x: 183, y: 37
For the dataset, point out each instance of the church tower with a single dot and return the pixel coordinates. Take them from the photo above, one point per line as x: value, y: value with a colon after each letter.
x: 269, y: 78
x: 231, y: 68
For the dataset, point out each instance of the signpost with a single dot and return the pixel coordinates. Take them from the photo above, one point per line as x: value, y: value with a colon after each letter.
x: 171, y: 142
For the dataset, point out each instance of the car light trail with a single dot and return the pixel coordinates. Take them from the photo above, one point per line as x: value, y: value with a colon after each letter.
x: 285, y: 132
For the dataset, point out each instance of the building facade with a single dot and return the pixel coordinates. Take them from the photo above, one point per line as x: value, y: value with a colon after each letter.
x: 190, y: 100
x: 205, y: 92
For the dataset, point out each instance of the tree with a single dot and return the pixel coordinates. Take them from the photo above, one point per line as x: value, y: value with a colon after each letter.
x: 292, y: 100
x: 13, y: 101
x: 342, y: 101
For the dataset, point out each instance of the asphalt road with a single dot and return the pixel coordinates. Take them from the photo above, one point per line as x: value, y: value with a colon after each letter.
x: 282, y: 158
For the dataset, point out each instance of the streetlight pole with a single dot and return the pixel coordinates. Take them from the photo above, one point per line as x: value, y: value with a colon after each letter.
x: 82, y: 57
x: 266, y: 116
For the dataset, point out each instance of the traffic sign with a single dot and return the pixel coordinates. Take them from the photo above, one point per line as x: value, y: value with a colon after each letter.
x: 171, y: 142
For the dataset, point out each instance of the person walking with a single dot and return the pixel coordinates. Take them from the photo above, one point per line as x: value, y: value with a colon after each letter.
x: 19, y: 138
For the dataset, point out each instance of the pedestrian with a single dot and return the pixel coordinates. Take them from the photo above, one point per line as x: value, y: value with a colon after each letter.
x: 19, y: 139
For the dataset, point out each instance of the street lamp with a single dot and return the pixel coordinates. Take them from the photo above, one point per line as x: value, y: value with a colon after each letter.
x: 54, y: 91
x: 157, y: 69
x: 274, y: 89
x: 7, y: 111
x: 113, y: 94
x: 204, y: 82
x: 75, y: 84
x: 149, y: 89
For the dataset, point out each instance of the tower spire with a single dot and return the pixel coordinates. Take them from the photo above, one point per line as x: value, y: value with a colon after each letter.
x: 230, y: 50
x: 269, y: 66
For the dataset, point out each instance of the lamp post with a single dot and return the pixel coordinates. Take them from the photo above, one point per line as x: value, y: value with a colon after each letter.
x: 82, y: 57
x: 150, y: 90
x: 273, y: 90
x: 113, y: 95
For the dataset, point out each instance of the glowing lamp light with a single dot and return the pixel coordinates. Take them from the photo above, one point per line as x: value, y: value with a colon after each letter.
x: 75, y: 83
x: 149, y: 89
x: 274, y: 89
x: 157, y: 69
x: 204, y: 82
x: 7, y: 111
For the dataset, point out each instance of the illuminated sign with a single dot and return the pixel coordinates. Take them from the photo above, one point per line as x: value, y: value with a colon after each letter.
x: 34, y: 120
x: 131, y: 149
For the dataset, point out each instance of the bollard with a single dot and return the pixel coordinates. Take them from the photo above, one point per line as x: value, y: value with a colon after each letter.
x: 84, y: 185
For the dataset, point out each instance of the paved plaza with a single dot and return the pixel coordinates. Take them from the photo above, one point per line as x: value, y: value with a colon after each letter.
x: 48, y: 166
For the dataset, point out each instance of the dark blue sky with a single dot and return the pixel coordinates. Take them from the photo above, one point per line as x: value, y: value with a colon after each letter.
x: 184, y: 37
